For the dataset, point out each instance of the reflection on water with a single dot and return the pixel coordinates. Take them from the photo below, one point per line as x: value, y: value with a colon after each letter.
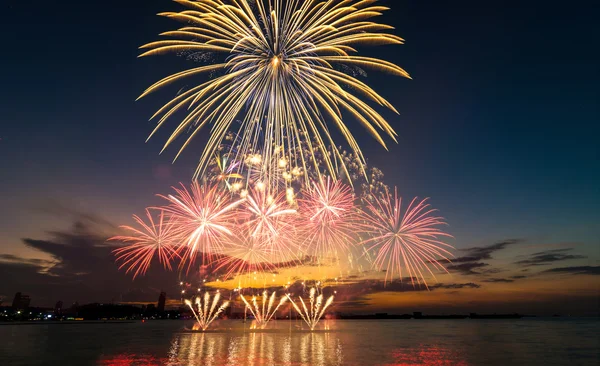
x: 235, y: 348
x: 427, y: 355
x: 390, y: 343
x: 270, y: 349
x: 255, y: 349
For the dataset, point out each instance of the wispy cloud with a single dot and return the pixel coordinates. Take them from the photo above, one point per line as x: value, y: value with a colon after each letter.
x: 498, y: 280
x: 455, y: 286
x: 580, y: 270
x: 355, y: 295
x: 467, y: 268
x: 477, y: 254
x: 474, y: 259
x: 549, y: 257
x: 29, y: 261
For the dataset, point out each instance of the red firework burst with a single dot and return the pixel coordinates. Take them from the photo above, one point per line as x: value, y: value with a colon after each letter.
x: 153, y: 239
x: 270, y: 221
x: 410, y: 239
x: 205, y: 217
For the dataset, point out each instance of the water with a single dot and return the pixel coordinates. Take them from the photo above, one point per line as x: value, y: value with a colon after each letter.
x: 402, y: 342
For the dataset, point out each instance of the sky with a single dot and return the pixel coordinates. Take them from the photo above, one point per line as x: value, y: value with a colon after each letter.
x: 499, y: 127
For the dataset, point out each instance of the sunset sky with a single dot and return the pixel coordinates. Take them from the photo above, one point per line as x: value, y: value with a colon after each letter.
x: 499, y: 128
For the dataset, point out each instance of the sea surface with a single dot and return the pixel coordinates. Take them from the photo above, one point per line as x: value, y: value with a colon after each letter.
x: 340, y: 342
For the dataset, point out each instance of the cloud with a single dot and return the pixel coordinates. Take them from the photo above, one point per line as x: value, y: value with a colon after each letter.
x: 477, y: 254
x: 474, y: 259
x: 31, y: 261
x: 549, y: 257
x: 581, y: 270
x: 498, y: 280
x: 356, y: 295
x: 518, y: 277
x: 553, y: 251
x: 82, y: 269
x: 455, y: 286
x: 467, y: 268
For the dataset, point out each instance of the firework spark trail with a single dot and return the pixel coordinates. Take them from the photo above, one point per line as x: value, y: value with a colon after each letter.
x: 409, y: 240
x: 330, y: 219
x: 271, y: 223
x: 279, y: 75
x: 263, y: 314
x: 205, y: 315
x: 245, y: 255
x: 313, y: 314
x: 152, y: 239
x: 268, y: 215
x: 225, y: 171
x: 205, y: 217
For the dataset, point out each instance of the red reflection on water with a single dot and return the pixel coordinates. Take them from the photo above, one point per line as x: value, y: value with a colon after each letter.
x: 428, y: 356
x: 130, y: 360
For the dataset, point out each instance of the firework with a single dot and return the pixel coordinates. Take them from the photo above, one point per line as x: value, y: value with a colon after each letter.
x: 244, y: 256
x: 329, y: 218
x: 205, y: 217
x: 263, y: 314
x: 280, y: 75
x: 271, y: 223
x: 224, y: 171
x: 314, y: 312
x: 410, y: 239
x: 206, y: 313
x: 153, y: 239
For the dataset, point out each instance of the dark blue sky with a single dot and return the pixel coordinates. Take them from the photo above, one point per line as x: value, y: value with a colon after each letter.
x: 499, y: 126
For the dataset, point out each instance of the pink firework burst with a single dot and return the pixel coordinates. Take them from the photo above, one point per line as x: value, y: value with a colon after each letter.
x: 204, y: 218
x: 244, y: 256
x: 329, y: 218
x: 152, y: 239
x: 265, y: 239
x: 410, y: 239
x: 271, y: 221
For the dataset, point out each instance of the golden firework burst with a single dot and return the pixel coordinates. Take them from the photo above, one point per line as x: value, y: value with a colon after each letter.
x: 285, y: 76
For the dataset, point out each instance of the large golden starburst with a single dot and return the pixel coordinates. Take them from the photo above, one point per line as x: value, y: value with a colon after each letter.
x: 285, y: 79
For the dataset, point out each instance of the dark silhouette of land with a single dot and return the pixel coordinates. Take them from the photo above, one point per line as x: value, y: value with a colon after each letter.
x: 21, y: 312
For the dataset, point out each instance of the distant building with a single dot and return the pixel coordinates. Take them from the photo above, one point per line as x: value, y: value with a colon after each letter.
x: 21, y: 302
x: 16, y: 300
x: 162, y: 299
x: 58, y: 308
x: 73, y: 310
